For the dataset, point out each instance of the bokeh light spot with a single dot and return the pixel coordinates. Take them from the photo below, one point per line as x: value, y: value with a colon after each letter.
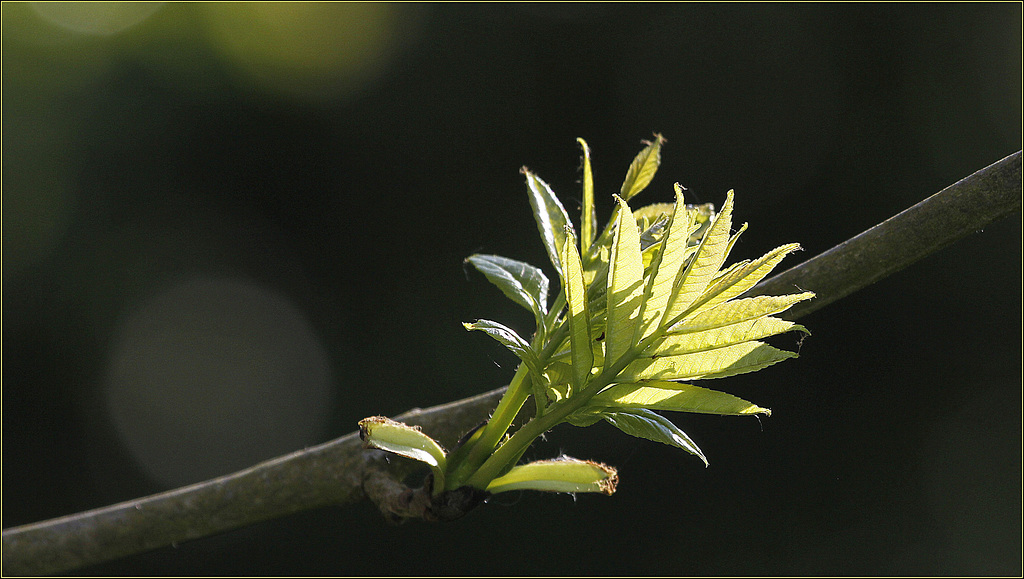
x: 95, y: 18
x: 212, y: 376
x: 314, y: 51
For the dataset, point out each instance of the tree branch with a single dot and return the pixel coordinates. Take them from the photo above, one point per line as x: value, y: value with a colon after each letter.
x: 334, y: 473
x: 342, y: 471
x: 955, y: 212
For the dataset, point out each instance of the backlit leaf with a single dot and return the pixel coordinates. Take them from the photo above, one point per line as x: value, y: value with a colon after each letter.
x: 625, y: 287
x: 644, y: 423
x: 739, y: 310
x: 675, y: 396
x: 702, y: 268
x: 550, y: 216
x: 732, y: 240
x: 588, y: 218
x: 702, y: 217
x: 579, y: 316
x: 668, y: 264
x: 562, y: 475
x: 521, y: 282
x: 510, y: 339
x: 409, y: 441
x: 755, y: 329
x: 642, y: 169
x: 740, y: 279
x: 653, y: 213
x: 728, y: 361
x: 584, y: 417
x: 639, y: 175
x: 558, y: 373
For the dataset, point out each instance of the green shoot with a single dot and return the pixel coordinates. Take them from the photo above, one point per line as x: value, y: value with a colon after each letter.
x: 643, y: 305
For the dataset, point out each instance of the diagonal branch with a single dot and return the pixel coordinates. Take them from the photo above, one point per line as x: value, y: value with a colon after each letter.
x: 334, y: 473
x: 341, y: 471
x: 955, y: 212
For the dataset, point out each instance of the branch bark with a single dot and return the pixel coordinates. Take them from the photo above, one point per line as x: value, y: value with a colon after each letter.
x: 955, y: 212
x: 342, y: 471
x: 334, y: 473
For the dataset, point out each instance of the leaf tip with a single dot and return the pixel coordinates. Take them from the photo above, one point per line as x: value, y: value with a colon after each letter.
x: 608, y: 484
x: 366, y: 423
x: 755, y: 410
x: 679, y: 192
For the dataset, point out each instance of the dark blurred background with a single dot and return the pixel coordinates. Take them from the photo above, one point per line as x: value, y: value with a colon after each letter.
x: 233, y: 230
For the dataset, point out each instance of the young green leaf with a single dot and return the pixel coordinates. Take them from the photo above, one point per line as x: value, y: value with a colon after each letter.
x: 510, y: 339
x: 586, y: 416
x: 702, y: 268
x: 550, y: 216
x: 579, y: 317
x: 739, y: 279
x: 688, y: 343
x: 409, y: 441
x: 642, y: 169
x: 740, y: 310
x: 625, y: 287
x: 668, y: 263
x: 728, y: 248
x: 523, y: 283
x: 639, y: 175
x: 702, y: 217
x: 562, y: 475
x: 675, y: 396
x: 648, y: 215
x: 647, y: 299
x: 719, y: 363
x: 650, y: 239
x: 588, y: 217
x: 648, y: 424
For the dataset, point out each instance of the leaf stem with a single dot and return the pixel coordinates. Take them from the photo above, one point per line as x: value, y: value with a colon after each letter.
x: 524, y: 437
x: 511, y: 403
x: 498, y: 424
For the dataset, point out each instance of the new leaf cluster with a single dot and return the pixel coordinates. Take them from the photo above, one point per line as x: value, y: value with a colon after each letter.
x: 646, y: 307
